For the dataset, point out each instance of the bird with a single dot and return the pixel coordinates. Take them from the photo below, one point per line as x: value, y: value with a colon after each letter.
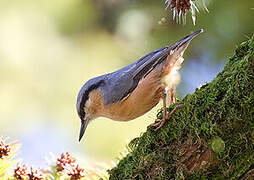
x: 135, y: 89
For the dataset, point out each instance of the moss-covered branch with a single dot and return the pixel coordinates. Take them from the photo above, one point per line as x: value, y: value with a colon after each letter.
x: 212, y: 136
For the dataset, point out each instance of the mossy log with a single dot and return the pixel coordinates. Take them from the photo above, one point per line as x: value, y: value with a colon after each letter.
x: 211, y: 137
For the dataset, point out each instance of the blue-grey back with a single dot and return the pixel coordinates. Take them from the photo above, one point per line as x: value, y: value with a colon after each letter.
x: 120, y: 83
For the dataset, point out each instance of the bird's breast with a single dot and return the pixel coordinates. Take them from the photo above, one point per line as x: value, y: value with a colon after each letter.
x: 144, y: 97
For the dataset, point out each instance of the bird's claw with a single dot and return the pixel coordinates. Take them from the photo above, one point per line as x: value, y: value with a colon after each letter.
x: 160, y: 122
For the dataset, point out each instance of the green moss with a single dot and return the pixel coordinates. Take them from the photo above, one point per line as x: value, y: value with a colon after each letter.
x: 217, y: 144
x: 212, y: 136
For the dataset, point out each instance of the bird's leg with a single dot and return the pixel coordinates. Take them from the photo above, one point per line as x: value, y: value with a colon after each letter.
x: 171, y: 95
x: 160, y: 122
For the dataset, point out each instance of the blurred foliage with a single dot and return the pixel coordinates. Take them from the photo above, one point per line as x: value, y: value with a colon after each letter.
x: 48, y: 49
x: 64, y: 167
x: 7, y: 152
x: 180, y: 9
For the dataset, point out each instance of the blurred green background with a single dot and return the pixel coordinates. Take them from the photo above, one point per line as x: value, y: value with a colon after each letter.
x: 49, y: 48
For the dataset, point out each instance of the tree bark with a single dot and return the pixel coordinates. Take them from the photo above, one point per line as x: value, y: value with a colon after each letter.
x: 211, y: 137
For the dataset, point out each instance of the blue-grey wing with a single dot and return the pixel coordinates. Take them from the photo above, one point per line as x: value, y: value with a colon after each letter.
x: 121, y: 83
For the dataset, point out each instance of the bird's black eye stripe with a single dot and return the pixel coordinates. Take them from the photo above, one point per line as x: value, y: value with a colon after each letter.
x: 85, y: 97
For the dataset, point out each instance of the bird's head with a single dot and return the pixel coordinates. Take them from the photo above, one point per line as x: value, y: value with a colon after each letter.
x: 84, y: 102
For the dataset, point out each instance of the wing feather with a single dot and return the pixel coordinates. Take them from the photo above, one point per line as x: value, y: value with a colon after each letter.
x: 121, y: 83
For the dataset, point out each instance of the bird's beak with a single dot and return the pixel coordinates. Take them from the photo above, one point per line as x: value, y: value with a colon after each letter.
x: 84, y: 124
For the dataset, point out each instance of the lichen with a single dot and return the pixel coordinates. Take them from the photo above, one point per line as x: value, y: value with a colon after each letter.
x: 184, y: 146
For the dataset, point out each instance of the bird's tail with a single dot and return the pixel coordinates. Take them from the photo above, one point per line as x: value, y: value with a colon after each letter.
x: 186, y: 40
x: 175, y: 53
x: 169, y: 54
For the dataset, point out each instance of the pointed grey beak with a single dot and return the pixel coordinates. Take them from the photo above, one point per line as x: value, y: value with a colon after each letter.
x: 83, y: 128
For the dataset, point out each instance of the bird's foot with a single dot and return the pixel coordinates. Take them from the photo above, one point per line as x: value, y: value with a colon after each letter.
x: 160, y: 122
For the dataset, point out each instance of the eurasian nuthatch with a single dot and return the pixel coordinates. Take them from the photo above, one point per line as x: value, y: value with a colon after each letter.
x: 132, y: 91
